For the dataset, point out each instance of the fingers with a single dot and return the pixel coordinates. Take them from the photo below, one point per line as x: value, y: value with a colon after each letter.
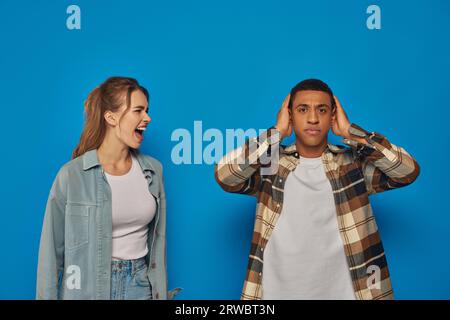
x: 286, y: 102
x: 339, y: 110
x: 338, y: 103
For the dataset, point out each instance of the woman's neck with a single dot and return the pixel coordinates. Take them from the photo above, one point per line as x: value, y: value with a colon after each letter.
x: 113, y: 153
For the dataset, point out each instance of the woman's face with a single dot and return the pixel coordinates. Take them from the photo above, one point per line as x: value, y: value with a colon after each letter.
x: 133, y: 122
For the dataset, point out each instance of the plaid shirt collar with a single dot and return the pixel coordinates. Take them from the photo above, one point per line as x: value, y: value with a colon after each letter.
x: 291, y: 150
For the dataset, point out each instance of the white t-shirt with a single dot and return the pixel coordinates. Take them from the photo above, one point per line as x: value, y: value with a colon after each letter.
x: 133, y: 208
x: 304, y: 258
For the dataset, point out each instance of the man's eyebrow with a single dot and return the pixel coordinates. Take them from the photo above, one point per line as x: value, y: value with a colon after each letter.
x: 317, y: 105
x: 322, y: 105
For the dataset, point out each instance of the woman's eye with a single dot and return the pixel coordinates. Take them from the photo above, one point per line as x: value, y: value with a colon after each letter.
x: 322, y: 110
x: 302, y: 110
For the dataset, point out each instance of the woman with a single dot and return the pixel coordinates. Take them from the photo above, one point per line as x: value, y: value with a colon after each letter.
x: 103, y: 235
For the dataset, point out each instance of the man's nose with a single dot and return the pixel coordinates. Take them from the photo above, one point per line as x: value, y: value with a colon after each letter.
x: 312, y: 117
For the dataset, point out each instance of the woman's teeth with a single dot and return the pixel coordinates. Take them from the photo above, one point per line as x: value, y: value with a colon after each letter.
x: 140, y: 132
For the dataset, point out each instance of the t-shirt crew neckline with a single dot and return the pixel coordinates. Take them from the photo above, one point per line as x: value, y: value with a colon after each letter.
x: 310, y: 162
x: 123, y: 176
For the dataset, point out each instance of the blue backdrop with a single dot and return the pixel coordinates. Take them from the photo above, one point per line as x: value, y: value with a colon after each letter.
x: 228, y: 64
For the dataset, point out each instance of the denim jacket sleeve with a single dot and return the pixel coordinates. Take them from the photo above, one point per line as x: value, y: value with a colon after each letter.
x: 51, y: 248
x: 170, y: 293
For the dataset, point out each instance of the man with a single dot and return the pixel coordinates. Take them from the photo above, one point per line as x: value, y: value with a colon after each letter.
x: 315, y: 236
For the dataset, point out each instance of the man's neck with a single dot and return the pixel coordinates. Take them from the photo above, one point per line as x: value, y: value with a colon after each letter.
x: 310, y: 151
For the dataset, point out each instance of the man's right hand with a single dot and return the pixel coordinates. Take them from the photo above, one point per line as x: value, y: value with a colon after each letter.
x: 284, y: 124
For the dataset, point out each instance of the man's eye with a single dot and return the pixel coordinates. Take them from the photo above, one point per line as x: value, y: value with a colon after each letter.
x: 323, y: 110
x: 302, y: 110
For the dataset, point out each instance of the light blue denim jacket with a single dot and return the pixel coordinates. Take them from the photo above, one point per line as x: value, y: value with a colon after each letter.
x: 77, y: 231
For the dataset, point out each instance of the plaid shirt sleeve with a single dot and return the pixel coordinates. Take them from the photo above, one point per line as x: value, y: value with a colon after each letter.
x: 385, y: 166
x: 238, y: 171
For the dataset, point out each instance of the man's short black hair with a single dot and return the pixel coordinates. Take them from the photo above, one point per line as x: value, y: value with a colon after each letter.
x: 311, y: 84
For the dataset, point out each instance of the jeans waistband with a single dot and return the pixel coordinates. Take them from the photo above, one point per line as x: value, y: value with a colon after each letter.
x: 128, y: 265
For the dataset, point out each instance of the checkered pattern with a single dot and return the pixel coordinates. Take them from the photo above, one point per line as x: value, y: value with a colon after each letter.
x: 354, y: 173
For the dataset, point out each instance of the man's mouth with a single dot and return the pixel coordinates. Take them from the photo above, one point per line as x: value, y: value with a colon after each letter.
x: 312, y: 131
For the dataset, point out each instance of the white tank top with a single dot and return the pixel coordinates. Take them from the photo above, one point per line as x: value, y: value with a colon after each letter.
x: 133, y: 208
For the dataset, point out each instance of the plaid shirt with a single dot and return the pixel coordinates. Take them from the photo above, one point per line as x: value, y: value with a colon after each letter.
x: 354, y: 173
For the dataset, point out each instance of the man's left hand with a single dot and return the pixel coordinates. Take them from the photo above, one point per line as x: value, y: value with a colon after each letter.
x: 340, y: 124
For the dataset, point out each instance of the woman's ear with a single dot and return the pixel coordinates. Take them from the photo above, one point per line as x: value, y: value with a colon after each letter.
x: 110, y: 118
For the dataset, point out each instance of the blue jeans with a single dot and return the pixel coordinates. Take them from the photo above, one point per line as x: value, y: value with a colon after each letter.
x: 129, y: 280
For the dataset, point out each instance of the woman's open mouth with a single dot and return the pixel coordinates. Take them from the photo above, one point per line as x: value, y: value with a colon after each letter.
x: 139, y: 133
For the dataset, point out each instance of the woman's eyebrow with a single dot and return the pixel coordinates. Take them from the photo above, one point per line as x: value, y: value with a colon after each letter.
x: 140, y: 107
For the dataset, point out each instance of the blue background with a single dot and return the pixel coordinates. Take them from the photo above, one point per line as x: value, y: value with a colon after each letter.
x: 229, y: 64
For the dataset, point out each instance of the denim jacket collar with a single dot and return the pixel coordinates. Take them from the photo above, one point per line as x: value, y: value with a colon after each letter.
x: 90, y: 160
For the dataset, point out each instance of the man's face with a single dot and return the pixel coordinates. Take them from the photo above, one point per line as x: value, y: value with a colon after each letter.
x: 311, y: 116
